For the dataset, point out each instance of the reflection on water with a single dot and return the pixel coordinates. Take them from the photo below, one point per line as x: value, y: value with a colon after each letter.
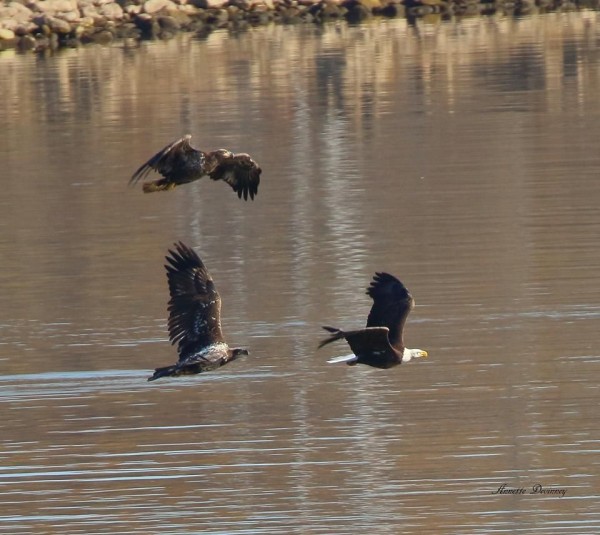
x: 459, y: 156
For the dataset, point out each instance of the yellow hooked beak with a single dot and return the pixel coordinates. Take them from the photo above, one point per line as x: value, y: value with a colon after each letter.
x: 424, y: 353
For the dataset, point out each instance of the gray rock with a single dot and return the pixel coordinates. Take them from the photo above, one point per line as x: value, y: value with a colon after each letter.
x: 234, y: 13
x: 132, y: 9
x: 168, y: 24
x: 153, y: 6
x: 111, y: 11
x: 207, y: 4
x: 6, y: 35
x: 188, y: 9
x: 54, y: 6
x: 8, y: 24
x: 49, y: 24
x: 16, y: 12
x: 89, y: 11
x: 181, y: 18
x: 69, y: 16
x: 59, y: 26
x: 24, y: 28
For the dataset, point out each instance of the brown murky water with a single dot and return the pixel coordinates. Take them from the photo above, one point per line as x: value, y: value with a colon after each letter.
x: 462, y: 157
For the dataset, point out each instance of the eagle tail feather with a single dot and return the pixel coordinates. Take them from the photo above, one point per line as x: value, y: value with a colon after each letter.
x: 337, y: 334
x: 163, y: 372
x: 349, y: 359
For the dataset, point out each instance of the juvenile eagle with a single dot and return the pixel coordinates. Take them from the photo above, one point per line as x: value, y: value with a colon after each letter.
x: 194, y: 317
x: 381, y: 343
x: 180, y: 163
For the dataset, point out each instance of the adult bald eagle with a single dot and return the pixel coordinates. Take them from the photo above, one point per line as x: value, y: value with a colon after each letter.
x: 180, y: 163
x: 381, y: 343
x: 194, y: 317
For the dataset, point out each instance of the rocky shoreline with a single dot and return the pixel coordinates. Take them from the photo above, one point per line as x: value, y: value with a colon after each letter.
x: 40, y: 25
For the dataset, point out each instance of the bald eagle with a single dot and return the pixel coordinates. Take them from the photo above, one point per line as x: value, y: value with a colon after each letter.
x: 381, y: 343
x: 180, y: 163
x: 194, y: 317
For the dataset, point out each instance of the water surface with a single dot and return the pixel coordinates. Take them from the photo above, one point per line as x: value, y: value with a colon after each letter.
x: 460, y: 156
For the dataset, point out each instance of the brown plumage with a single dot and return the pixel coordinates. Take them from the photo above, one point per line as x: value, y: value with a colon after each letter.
x: 381, y: 343
x: 180, y: 163
x: 194, y: 317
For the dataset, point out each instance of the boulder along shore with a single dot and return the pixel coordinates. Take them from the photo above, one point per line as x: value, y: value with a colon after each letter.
x: 40, y: 25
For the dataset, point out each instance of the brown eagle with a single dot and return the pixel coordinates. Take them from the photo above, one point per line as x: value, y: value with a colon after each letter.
x: 180, y: 163
x: 381, y: 343
x: 194, y: 317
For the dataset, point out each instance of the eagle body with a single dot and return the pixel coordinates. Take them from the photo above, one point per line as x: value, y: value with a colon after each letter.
x: 208, y: 359
x: 180, y: 163
x: 184, y: 167
x: 194, y: 317
x: 377, y: 361
x: 381, y: 343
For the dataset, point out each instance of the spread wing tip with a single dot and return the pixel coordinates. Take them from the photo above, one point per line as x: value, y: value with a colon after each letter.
x: 151, y: 164
x: 383, y: 282
x: 182, y: 257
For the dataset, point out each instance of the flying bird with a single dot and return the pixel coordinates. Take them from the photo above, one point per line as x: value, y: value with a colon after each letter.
x: 180, y: 163
x: 381, y: 343
x: 194, y: 317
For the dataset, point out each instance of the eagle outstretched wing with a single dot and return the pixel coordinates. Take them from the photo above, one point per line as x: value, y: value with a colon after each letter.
x: 392, y: 302
x: 195, y: 304
x: 178, y: 162
x: 240, y: 171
